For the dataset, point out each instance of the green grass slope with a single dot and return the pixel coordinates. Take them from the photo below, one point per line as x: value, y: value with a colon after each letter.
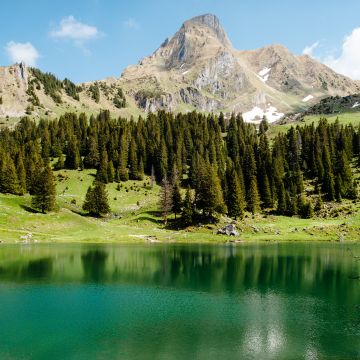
x: 135, y: 218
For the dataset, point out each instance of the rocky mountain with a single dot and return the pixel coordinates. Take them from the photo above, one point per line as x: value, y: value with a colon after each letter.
x: 199, y: 69
x: 196, y: 69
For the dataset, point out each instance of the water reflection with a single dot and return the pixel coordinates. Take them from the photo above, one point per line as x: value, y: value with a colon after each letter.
x: 170, y: 301
x: 94, y: 264
x: 37, y: 269
x: 326, y: 270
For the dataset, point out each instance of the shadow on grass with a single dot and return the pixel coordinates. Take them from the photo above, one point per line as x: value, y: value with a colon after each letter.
x: 146, y: 218
x: 150, y: 215
x: 79, y: 212
x: 30, y: 209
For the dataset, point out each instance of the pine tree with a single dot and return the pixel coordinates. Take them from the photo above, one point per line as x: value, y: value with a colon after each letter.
x: 187, y: 214
x: 208, y: 192
x: 92, y: 158
x: 307, y: 211
x: 281, y: 203
x: 9, y: 182
x: 176, y: 194
x: 102, y: 173
x: 235, y: 200
x: 345, y: 179
x: 165, y: 198
x: 96, y: 200
x: 123, y: 174
x: 264, y: 126
x: 44, y: 191
x: 318, y: 204
x: 111, y: 172
x: 21, y: 174
x: 60, y: 164
x: 152, y: 177
x: 253, y: 199
x: 72, y: 155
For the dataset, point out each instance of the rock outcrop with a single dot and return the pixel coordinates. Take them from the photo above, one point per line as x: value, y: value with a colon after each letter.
x: 229, y: 230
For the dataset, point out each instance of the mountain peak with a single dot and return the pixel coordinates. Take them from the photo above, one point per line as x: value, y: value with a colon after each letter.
x: 209, y: 20
x: 199, y: 36
x: 212, y: 22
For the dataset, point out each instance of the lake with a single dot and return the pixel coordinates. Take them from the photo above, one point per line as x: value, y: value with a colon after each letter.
x: 255, y: 301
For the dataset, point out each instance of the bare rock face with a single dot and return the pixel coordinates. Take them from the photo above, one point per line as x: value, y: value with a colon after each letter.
x: 152, y: 103
x: 13, y: 86
x: 192, y: 96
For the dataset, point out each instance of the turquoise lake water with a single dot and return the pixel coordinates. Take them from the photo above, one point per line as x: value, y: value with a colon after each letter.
x: 261, y: 301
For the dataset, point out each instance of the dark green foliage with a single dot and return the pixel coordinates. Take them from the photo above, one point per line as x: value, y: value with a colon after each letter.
x: 119, y: 99
x: 334, y: 104
x: 264, y: 126
x: 9, y: 182
x: 21, y: 174
x: 52, y: 85
x: 187, y: 214
x: 92, y: 158
x: 71, y: 89
x: 110, y: 172
x: 165, y: 198
x: 102, y: 174
x: 44, y: 191
x: 72, y: 154
x: 176, y: 194
x: 60, y: 164
x: 123, y: 174
x: 306, y: 209
x: 253, y: 199
x: 235, y: 199
x: 95, y: 92
x: 96, y: 200
x: 223, y: 167
x: 318, y: 204
x: 208, y: 192
x: 33, y: 98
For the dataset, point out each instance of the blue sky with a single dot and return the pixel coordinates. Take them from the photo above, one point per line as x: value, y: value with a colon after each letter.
x: 93, y: 39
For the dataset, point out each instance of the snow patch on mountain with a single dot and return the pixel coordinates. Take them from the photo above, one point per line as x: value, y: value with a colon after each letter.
x: 357, y: 104
x: 264, y: 74
x: 307, y: 98
x: 256, y: 114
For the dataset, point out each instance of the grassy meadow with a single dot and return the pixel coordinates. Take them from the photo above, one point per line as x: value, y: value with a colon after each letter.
x: 135, y: 218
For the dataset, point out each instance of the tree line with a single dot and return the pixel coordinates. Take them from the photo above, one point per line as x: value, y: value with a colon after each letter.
x: 227, y: 166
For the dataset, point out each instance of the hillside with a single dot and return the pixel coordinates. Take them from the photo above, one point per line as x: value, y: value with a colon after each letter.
x: 137, y: 219
x: 335, y: 105
x: 29, y: 91
x: 195, y: 69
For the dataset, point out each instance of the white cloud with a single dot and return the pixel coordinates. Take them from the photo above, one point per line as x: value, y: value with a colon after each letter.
x: 309, y: 50
x: 18, y: 52
x: 72, y: 29
x: 131, y: 24
x: 348, y: 62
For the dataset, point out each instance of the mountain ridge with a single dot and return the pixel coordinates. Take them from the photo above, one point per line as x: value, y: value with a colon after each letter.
x: 197, y: 69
